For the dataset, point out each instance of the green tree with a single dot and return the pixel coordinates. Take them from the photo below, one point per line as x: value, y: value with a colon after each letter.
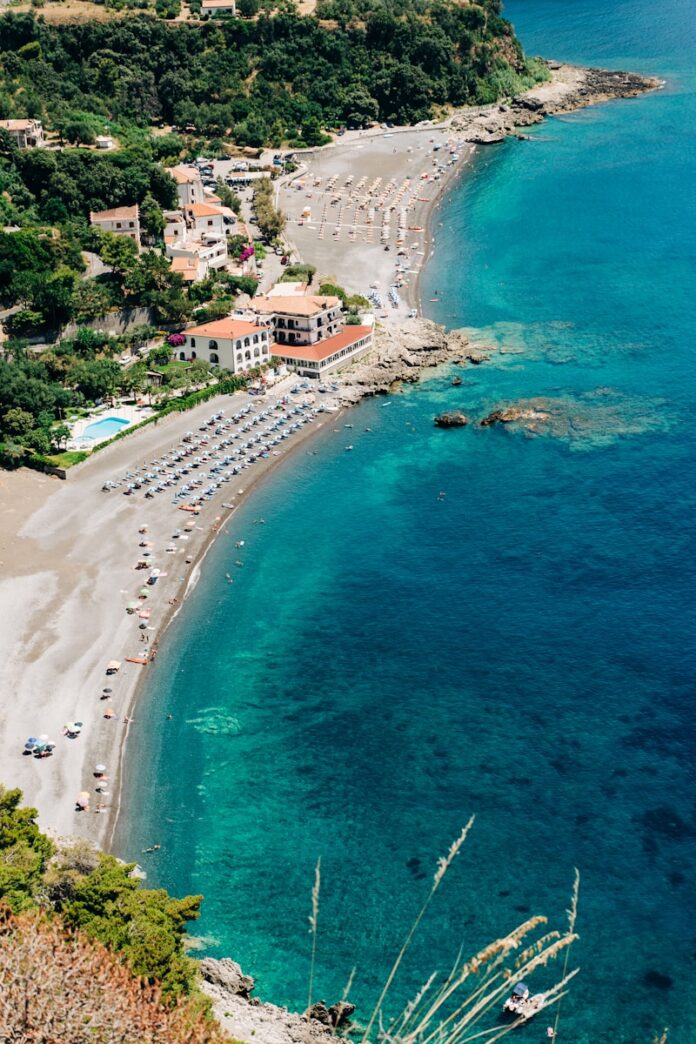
x: 17, y: 422
x: 24, y: 851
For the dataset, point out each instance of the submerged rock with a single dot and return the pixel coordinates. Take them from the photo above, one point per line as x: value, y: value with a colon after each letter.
x: 451, y: 419
x: 510, y: 414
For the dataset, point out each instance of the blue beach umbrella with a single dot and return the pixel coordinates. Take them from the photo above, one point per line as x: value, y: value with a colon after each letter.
x: 31, y: 743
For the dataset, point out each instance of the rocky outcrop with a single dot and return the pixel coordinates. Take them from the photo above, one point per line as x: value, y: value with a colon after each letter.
x: 228, y: 976
x: 512, y: 414
x: 401, y: 354
x: 250, y: 1020
x: 571, y: 87
x: 451, y: 419
x: 334, y: 1017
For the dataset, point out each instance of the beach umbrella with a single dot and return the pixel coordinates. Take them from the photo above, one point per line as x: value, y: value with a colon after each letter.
x: 143, y: 592
x: 107, y: 690
x: 109, y: 712
x: 131, y: 607
x: 100, y: 768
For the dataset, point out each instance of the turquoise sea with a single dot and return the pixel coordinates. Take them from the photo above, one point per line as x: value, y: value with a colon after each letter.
x: 390, y: 660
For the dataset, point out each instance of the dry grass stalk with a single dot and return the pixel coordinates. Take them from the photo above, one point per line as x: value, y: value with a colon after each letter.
x: 443, y: 865
x: 449, y: 1017
x: 313, y: 921
x: 572, y: 918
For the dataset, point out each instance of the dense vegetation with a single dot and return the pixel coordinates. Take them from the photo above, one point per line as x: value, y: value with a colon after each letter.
x: 267, y: 80
x: 96, y: 893
x: 59, y: 985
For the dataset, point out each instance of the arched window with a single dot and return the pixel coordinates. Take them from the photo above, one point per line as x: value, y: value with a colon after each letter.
x: 247, y: 342
x: 193, y: 342
x: 193, y: 355
x: 214, y: 357
x: 182, y: 356
x: 212, y: 345
x: 256, y: 338
x: 239, y: 359
x: 256, y: 353
x: 247, y: 356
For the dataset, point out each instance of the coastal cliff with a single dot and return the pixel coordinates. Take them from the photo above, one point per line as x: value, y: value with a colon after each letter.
x: 246, y: 1017
x: 571, y: 87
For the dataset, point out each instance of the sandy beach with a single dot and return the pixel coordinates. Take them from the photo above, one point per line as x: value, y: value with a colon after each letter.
x: 367, y: 192
x: 68, y: 553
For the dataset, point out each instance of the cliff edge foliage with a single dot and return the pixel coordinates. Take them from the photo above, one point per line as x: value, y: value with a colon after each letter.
x: 267, y: 79
x: 86, y: 890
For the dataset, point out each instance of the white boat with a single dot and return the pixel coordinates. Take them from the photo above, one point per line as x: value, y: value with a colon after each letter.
x: 523, y: 1004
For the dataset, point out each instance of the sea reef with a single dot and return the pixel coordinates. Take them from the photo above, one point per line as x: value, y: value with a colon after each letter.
x: 402, y: 353
x: 571, y: 87
x: 247, y: 1018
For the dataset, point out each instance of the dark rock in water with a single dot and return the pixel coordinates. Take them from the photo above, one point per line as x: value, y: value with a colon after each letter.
x: 334, y: 1017
x: 227, y: 974
x: 456, y: 381
x: 451, y: 419
x: 658, y: 980
x: 510, y: 414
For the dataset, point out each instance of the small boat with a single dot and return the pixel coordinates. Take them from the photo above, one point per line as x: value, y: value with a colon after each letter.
x: 456, y: 381
x: 523, y: 1004
x: 348, y: 448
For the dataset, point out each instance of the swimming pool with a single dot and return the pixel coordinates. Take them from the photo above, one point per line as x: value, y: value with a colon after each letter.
x: 104, y: 428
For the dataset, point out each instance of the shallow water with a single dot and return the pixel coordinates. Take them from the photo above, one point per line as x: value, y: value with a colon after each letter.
x: 477, y: 620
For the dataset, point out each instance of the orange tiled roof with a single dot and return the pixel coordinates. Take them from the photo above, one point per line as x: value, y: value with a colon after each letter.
x: 324, y: 349
x: 228, y: 329
x: 308, y: 305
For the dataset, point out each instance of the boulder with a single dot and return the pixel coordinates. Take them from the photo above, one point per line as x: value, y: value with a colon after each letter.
x: 334, y: 1017
x: 451, y: 419
x: 228, y: 975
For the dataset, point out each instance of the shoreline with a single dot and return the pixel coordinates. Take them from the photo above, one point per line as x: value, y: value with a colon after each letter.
x: 192, y: 578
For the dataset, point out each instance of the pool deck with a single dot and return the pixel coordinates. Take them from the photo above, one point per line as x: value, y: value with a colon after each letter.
x: 126, y: 412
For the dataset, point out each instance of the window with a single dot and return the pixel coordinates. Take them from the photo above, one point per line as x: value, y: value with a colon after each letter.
x: 256, y: 353
x: 212, y: 345
x: 247, y: 342
x: 214, y: 357
x: 239, y: 359
x: 118, y: 224
x: 182, y: 356
x: 210, y: 222
x: 193, y: 355
x: 256, y: 338
x: 192, y: 342
x: 247, y: 356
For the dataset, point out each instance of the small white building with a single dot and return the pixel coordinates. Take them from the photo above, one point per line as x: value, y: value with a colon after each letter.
x: 104, y: 141
x: 188, y: 184
x: 231, y: 343
x: 209, y: 250
x: 202, y: 217
x: 122, y: 221
x: 316, y: 360
x: 210, y: 8
x: 27, y: 134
